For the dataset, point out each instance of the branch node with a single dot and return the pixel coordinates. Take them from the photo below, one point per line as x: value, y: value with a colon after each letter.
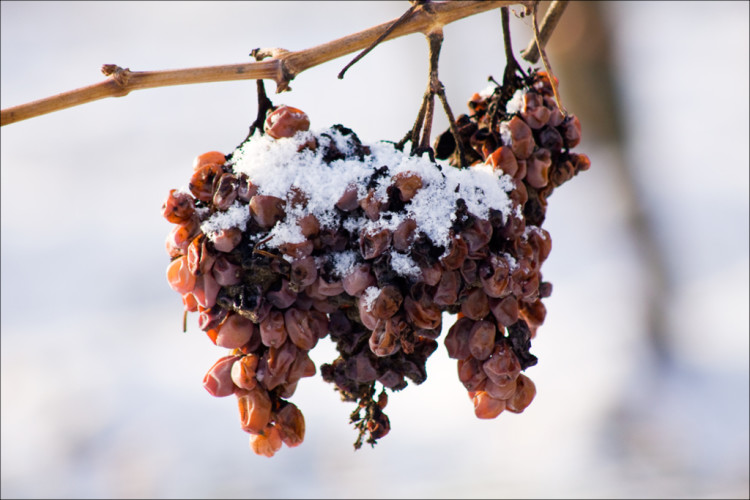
x: 118, y: 74
x: 284, y: 75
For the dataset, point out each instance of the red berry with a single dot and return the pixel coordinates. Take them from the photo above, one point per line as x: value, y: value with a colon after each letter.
x: 285, y: 122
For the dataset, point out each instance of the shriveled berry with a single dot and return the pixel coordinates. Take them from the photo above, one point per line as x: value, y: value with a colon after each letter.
x: 210, y: 158
x: 266, y: 210
x: 457, y: 252
x: 373, y: 242
x: 571, y: 131
x: 304, y: 272
x: 179, y: 238
x: 267, y: 442
x: 407, y: 183
x: 178, y: 207
x: 225, y: 273
x: 446, y: 293
x: 457, y: 340
x: 475, y: 304
x: 358, y: 279
x: 273, y: 331
x: 384, y: 340
x: 504, y: 159
x: 243, y: 372
x: 218, y: 379
x: 533, y: 111
x: 202, y: 182
x: 505, y: 310
x: 286, y: 121
x: 522, y: 140
x: 280, y: 360
x: 470, y: 373
x: 255, y: 409
x: 538, y: 165
x: 482, y: 339
x: 421, y: 314
x: 387, y: 303
x: 291, y: 425
x: 503, y: 365
x: 486, y: 407
x: 523, y: 396
x: 235, y: 332
x: 179, y: 276
x: 403, y: 236
x: 305, y: 327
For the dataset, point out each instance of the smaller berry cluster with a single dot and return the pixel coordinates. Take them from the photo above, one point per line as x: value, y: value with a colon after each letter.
x: 519, y: 129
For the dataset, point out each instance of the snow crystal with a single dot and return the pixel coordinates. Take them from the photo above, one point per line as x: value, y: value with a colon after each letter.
x: 515, y: 104
x: 368, y: 297
x: 403, y: 265
x: 505, y: 133
x: 533, y: 229
x: 487, y: 92
x: 344, y: 262
x: 236, y: 215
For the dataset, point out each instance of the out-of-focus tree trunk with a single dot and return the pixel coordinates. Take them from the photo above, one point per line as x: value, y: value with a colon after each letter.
x: 581, y: 55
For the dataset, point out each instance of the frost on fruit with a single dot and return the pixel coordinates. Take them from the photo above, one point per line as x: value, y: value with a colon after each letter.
x: 304, y: 233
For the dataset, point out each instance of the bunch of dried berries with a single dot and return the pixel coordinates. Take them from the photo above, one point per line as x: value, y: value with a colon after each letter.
x: 298, y: 234
x: 519, y: 129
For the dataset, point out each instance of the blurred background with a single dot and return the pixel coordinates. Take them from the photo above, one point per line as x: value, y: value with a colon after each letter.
x: 642, y: 381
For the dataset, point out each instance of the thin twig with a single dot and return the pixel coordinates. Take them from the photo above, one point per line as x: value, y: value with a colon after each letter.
x: 511, y: 65
x: 413, y: 134
x: 281, y: 69
x: 551, y: 18
x: 547, y: 66
x: 406, y: 15
x: 435, y: 39
x: 454, y: 130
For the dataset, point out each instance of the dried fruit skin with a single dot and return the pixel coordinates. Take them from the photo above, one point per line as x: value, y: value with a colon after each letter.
x: 266, y: 210
x: 255, y: 409
x: 486, y: 407
x: 235, y: 332
x: 266, y: 443
x: 285, y: 122
x: 243, y: 372
x: 179, y: 276
x: 291, y: 425
x: 481, y: 339
x: 210, y: 158
x: 218, y: 380
x: 178, y: 207
x: 273, y: 331
x: 202, y: 182
x: 523, y: 396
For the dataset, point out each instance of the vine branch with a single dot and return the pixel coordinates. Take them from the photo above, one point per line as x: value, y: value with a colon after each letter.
x: 550, y: 20
x: 282, y: 68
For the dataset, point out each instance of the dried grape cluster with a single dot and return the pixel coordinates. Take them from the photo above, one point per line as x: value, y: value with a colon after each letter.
x: 519, y: 129
x: 298, y: 234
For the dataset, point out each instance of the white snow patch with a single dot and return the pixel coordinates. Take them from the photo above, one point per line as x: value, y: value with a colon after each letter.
x: 275, y: 166
x: 515, y: 104
x: 368, y: 297
x: 487, y: 92
x: 236, y: 215
x: 344, y: 262
x: 403, y: 265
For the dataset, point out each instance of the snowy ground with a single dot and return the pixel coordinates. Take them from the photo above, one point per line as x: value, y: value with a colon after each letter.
x: 101, y: 392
